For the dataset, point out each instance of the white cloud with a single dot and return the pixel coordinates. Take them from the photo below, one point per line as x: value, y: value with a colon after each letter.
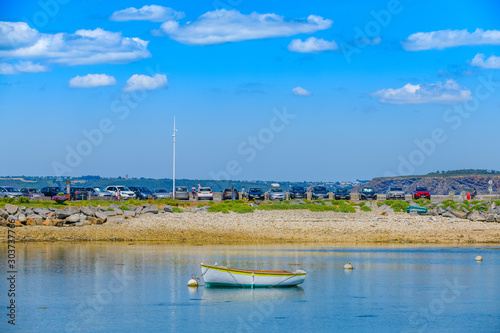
x: 144, y: 82
x: 299, y: 91
x: 84, y: 47
x: 312, y: 45
x: 22, y: 67
x: 450, y: 38
x: 440, y: 93
x: 16, y: 34
x: 493, y: 62
x: 151, y: 13
x: 91, y: 81
x: 223, y: 26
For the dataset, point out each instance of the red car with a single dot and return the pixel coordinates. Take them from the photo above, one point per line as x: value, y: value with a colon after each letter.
x: 421, y: 192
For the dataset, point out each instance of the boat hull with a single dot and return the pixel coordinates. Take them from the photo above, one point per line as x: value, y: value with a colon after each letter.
x: 218, y: 276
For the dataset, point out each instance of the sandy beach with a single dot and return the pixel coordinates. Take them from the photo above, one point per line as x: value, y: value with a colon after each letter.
x: 293, y: 226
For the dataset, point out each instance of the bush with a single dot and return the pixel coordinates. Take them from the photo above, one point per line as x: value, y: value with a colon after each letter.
x: 124, y: 208
x: 366, y: 209
x: 23, y: 200
x: 422, y: 202
x: 8, y: 200
x: 177, y: 210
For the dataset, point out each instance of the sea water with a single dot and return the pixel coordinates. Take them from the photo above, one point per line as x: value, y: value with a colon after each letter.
x: 132, y: 287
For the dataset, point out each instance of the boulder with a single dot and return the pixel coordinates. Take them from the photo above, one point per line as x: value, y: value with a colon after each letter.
x: 73, y: 210
x: 465, y: 210
x: 497, y: 217
x: 413, y: 212
x: 476, y: 216
x: 18, y: 224
x: 460, y: 214
x: 11, y: 209
x: 150, y: 209
x: 85, y: 222
x: 447, y: 214
x: 3, y: 214
x: 116, y: 220
x: 101, y: 216
x: 29, y: 211
x: 57, y: 223
x: 41, y: 211
x: 253, y: 204
x: 433, y: 212
x: 490, y: 218
x: 48, y: 223
x: 22, y: 218
x: 118, y: 211
x: 129, y: 213
x: 109, y: 213
x: 87, y: 211
x: 294, y: 203
x: 138, y: 209
x: 3, y: 223
x: 11, y: 219
x: 168, y: 209
x: 73, y: 218
x: 61, y: 214
x: 114, y: 206
x: 302, y: 202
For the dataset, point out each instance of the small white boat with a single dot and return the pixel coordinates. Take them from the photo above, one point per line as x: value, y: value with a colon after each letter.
x: 220, y: 276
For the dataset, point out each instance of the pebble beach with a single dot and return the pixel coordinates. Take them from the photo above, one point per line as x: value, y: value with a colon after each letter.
x: 292, y: 226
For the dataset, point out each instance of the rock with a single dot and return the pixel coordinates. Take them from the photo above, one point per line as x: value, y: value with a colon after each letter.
x: 114, y: 206
x: 460, y: 214
x: 3, y: 223
x: 41, y: 211
x: 440, y: 211
x: 11, y: 209
x: 253, y: 204
x: 138, y: 210
x: 85, y: 222
x: 29, y: 211
x: 87, y: 211
x: 3, y: 214
x: 447, y: 214
x: 302, y: 202
x: 491, y: 206
x: 118, y: 211
x: 73, y: 210
x: 432, y: 212
x: 109, y: 213
x: 490, y: 218
x: 413, y: 212
x: 61, y: 214
x: 22, y: 218
x: 465, y: 210
x: 294, y: 203
x: 168, y: 209
x: 476, y: 216
x: 57, y: 223
x: 497, y: 217
x: 18, y: 224
x: 150, y: 209
x: 129, y: 213
x: 101, y: 216
x: 48, y: 223
x: 389, y: 209
x: 73, y: 218
x: 11, y: 219
x: 79, y: 224
x: 202, y: 209
x: 328, y: 203
x: 383, y: 207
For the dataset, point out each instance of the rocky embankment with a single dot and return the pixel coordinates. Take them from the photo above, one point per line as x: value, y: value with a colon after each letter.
x: 197, y: 226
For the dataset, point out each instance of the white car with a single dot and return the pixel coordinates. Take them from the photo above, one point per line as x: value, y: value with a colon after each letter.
x: 205, y: 193
x: 125, y: 192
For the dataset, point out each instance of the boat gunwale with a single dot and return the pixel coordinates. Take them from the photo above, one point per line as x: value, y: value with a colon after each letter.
x: 256, y: 272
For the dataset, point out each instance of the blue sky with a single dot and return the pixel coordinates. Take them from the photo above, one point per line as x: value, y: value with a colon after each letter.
x: 282, y: 90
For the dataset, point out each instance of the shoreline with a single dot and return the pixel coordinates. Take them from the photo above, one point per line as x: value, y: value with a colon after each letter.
x: 277, y: 227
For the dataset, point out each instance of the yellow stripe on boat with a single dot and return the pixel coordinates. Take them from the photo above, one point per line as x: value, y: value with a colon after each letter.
x: 238, y: 272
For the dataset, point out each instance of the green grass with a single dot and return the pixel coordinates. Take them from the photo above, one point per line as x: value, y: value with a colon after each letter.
x: 227, y: 206
x: 177, y: 210
x: 397, y: 205
x: 366, y: 209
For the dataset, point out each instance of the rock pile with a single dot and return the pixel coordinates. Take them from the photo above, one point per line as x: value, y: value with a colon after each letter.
x: 73, y: 216
x: 491, y: 213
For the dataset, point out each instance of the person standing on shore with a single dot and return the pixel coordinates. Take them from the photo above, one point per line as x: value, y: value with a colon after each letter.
x: 193, y: 191
x: 118, y: 194
x: 243, y: 194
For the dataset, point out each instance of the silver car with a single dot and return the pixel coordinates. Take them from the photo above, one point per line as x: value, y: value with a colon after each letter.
x: 33, y: 193
x: 98, y: 192
x: 276, y: 193
x: 9, y: 192
x: 161, y: 193
x: 395, y: 193
x: 181, y: 193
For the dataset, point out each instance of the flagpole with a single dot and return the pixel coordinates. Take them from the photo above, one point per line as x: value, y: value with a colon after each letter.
x: 173, y: 136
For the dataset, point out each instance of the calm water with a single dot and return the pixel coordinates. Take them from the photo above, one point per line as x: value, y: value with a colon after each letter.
x: 142, y: 287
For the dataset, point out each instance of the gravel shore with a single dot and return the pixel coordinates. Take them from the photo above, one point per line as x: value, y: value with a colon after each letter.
x: 292, y: 226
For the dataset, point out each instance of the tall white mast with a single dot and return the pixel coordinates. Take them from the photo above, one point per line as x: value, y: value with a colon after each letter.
x: 173, y: 136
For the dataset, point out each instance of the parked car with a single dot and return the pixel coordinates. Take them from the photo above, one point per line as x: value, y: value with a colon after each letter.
x: 395, y: 193
x: 226, y: 194
x: 367, y: 193
x: 421, y: 192
x: 141, y: 192
x: 205, y: 193
x: 276, y: 193
x: 319, y: 192
x: 125, y: 192
x: 342, y: 194
x: 181, y: 193
x: 78, y: 193
x: 297, y: 192
x: 161, y: 193
x: 9, y: 192
x: 256, y: 193
x: 50, y: 191
x: 98, y: 192
x: 31, y: 192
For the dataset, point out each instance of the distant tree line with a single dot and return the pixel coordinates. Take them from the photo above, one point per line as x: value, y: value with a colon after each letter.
x: 462, y: 172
